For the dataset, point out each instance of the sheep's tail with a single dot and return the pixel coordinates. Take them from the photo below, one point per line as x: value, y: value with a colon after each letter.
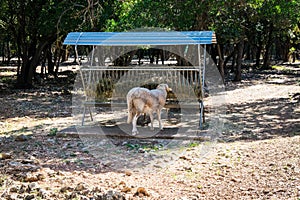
x: 130, y: 109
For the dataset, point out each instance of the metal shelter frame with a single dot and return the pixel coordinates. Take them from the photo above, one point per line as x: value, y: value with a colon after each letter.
x: 162, y: 38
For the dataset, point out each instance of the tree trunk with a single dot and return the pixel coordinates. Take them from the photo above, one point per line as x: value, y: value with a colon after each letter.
x: 19, y: 61
x: 239, y: 59
x: 221, y: 62
x: 3, y: 51
x: 227, y: 59
x: 23, y: 80
x: 8, y: 57
x: 266, y: 63
x: 57, y: 62
x: 50, y: 61
x: 258, y: 51
x: 29, y: 64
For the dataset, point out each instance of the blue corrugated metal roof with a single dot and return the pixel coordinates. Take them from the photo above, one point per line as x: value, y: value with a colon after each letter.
x: 140, y: 38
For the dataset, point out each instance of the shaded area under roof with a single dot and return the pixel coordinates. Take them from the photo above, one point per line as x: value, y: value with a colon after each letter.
x: 140, y: 38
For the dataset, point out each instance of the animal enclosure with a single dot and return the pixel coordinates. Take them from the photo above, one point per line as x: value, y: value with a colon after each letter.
x: 103, y: 85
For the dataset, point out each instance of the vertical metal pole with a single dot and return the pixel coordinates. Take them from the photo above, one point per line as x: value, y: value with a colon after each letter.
x: 203, y: 75
x: 82, y: 78
x: 201, y: 89
x: 76, y: 51
x: 88, y: 86
x: 90, y: 71
x: 203, y: 84
x: 92, y: 57
x: 85, y: 92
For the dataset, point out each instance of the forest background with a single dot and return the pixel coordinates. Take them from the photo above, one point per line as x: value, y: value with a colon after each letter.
x: 248, y: 31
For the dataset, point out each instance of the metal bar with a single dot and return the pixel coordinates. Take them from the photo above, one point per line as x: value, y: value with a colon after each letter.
x: 76, y: 51
x: 139, y: 69
x: 93, y: 54
x: 201, y: 90
x: 83, y: 116
x: 203, y: 75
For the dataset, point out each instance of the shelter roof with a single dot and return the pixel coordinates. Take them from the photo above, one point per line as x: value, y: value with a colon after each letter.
x: 140, y: 38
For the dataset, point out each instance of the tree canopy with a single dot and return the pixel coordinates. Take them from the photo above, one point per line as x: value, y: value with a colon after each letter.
x: 249, y: 29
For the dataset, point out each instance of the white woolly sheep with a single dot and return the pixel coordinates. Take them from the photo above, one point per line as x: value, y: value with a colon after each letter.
x: 144, y: 101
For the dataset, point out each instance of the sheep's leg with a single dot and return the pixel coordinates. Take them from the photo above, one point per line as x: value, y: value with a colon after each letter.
x: 159, y: 119
x: 129, y: 117
x: 131, y: 112
x: 151, y: 119
x: 134, y: 129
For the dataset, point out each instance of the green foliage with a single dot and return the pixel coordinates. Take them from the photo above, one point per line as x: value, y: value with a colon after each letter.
x: 145, y: 147
x: 132, y: 14
x: 33, y: 26
x: 28, y: 26
x: 53, y: 132
x: 233, y: 19
x: 281, y: 68
x: 193, y: 144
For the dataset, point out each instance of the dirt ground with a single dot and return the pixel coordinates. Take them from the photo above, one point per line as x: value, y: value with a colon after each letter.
x: 255, y: 156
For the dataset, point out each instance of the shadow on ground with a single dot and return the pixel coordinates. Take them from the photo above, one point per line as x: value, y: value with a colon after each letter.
x: 263, y: 119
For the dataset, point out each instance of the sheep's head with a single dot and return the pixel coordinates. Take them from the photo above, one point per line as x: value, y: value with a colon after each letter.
x: 164, y: 87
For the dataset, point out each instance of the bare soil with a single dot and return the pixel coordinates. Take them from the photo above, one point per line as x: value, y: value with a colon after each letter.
x: 256, y: 156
